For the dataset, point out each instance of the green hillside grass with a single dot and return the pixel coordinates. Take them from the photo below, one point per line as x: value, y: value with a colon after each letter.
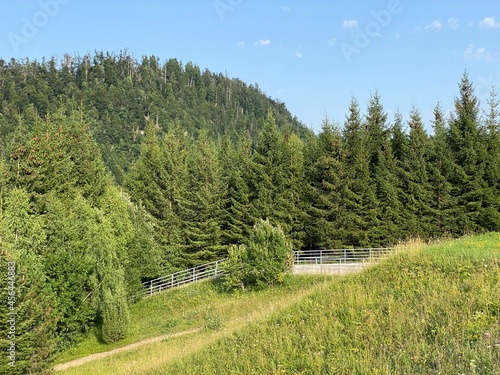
x: 428, y: 310
x: 433, y: 311
x: 202, y: 305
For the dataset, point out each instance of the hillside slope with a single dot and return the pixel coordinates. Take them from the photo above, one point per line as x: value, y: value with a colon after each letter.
x: 429, y: 310
x: 121, y: 93
x: 434, y: 311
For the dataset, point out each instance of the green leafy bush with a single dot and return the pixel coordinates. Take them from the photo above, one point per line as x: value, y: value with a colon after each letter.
x: 264, y: 260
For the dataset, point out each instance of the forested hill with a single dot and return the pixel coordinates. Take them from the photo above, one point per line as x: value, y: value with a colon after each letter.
x: 199, y: 160
x: 120, y: 94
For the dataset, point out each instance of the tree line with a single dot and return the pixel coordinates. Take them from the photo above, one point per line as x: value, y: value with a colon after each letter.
x: 120, y: 92
x: 365, y: 183
x: 85, y: 225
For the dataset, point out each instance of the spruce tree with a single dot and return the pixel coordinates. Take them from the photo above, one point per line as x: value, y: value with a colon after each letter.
x: 389, y: 208
x: 384, y: 172
x: 326, y: 178
x: 377, y: 132
x: 469, y: 152
x: 399, y: 139
x: 277, y: 169
x: 441, y: 167
x: 237, y: 220
x: 266, y: 177
x: 201, y: 206
x: 360, y: 199
x: 416, y: 186
x: 491, y: 209
x: 146, y: 182
x: 291, y: 195
x: 176, y: 148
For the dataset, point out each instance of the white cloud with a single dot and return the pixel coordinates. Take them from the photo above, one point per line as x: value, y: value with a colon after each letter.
x: 285, y: 8
x: 489, y: 22
x: 472, y: 53
x: 453, y: 23
x: 263, y: 42
x: 332, y: 41
x: 350, y: 24
x: 298, y: 55
x: 436, y: 25
x: 241, y: 44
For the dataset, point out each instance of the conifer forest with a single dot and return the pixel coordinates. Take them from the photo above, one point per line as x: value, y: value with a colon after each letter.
x: 116, y: 170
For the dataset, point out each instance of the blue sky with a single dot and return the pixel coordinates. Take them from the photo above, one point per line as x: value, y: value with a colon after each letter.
x: 313, y: 56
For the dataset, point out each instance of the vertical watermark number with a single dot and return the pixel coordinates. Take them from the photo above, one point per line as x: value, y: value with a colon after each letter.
x: 11, y: 315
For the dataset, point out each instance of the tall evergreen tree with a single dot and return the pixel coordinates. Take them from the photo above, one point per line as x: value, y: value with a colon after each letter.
x: 265, y: 177
x: 201, y: 207
x: 440, y: 168
x: 237, y: 220
x: 384, y: 172
x: 146, y: 181
x: 360, y: 199
x: 325, y: 183
x: 399, y: 140
x: 469, y: 152
x: 416, y: 186
x: 377, y: 132
x: 277, y: 168
x: 157, y: 181
x: 291, y: 195
x: 491, y: 208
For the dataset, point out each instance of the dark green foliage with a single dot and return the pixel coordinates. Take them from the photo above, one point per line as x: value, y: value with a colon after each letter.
x: 384, y: 174
x: 440, y: 167
x: 466, y: 141
x: 275, y: 182
x: 360, y: 199
x: 469, y: 151
x: 236, y: 162
x: 201, y: 159
x: 415, y: 180
x: 201, y: 205
x: 34, y: 315
x: 119, y: 91
x: 264, y: 260
x: 491, y: 209
x: 326, y: 180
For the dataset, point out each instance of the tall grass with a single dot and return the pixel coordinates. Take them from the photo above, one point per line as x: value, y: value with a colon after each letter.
x: 202, y: 305
x: 430, y: 310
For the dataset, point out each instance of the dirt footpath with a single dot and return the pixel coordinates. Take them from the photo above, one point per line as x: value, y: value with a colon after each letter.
x: 93, y: 357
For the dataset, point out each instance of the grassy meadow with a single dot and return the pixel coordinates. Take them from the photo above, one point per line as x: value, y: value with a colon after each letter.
x: 428, y: 310
x: 203, y: 305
